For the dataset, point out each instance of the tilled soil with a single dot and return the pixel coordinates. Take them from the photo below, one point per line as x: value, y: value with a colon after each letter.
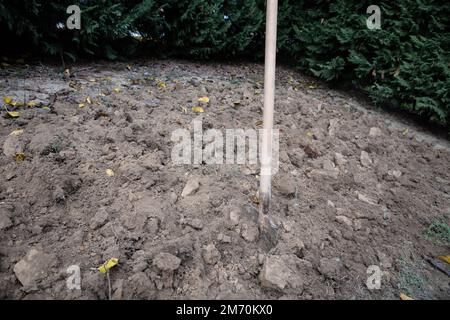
x: 355, y: 188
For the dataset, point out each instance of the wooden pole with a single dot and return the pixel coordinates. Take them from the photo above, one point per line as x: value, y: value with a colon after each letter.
x: 269, y: 99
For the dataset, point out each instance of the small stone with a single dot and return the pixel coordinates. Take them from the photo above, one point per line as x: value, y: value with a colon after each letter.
x: 395, y: 173
x: 281, y: 273
x: 366, y: 161
x: 210, y: 254
x: 330, y: 167
x: 223, y: 238
x: 99, y: 219
x: 191, y: 187
x: 375, y: 132
x: 166, y: 262
x: 366, y: 199
x: 33, y: 267
x: 330, y: 267
x: 234, y: 216
x: 339, y: 159
x: 250, y: 233
x: 287, y: 226
x: 274, y: 273
x: 344, y: 220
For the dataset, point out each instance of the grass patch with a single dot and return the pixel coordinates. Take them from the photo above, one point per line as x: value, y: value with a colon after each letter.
x: 412, y: 281
x: 438, y: 232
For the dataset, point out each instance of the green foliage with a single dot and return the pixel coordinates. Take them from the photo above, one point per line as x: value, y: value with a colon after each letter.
x: 220, y: 28
x: 438, y: 232
x: 106, y: 26
x: 405, y: 64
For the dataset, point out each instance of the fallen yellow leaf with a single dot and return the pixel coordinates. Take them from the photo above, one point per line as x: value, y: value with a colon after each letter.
x: 254, y: 199
x: 17, y: 104
x: 88, y: 100
x: 116, y: 90
x: 81, y: 105
x: 161, y: 84
x: 203, y: 99
x: 45, y: 108
x: 110, y: 172
x: 31, y: 104
x: 198, y: 109
x: 405, y: 297
x: 13, y: 114
x: 184, y: 109
x: 108, y: 265
x: 445, y: 259
x: 19, y: 156
x: 16, y: 132
x: 7, y: 100
x: 405, y: 132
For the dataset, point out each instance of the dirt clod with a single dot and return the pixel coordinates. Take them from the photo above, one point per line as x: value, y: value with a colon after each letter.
x: 192, y: 185
x: 210, y: 254
x: 166, y: 262
x: 330, y: 267
x: 282, y: 273
x: 190, y: 231
x: 33, y: 267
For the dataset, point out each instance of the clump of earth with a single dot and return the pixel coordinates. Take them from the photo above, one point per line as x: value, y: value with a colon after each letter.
x: 86, y: 175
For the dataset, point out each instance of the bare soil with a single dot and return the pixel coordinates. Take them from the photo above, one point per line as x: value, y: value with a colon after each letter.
x: 356, y: 187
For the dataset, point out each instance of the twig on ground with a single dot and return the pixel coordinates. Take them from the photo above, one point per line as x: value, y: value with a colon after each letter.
x: 109, y: 284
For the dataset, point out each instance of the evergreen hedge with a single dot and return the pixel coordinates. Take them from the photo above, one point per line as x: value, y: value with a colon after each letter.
x: 405, y: 64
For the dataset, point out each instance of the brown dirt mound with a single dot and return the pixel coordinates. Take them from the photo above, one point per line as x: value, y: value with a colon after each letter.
x: 355, y: 188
